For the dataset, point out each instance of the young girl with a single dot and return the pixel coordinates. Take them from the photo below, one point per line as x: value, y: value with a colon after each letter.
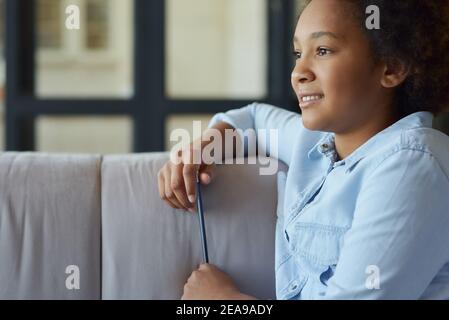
x: 365, y: 203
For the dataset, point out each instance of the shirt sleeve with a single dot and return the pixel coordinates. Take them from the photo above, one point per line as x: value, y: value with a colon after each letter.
x: 262, y: 118
x: 400, y: 232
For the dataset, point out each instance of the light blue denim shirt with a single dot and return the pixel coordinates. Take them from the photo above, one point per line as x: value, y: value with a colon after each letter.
x: 374, y: 225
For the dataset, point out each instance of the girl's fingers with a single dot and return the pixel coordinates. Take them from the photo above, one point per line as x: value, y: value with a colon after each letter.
x: 207, y: 173
x: 189, y: 173
x: 178, y: 187
x: 169, y: 194
x: 162, y: 192
x: 177, y: 181
x: 160, y: 184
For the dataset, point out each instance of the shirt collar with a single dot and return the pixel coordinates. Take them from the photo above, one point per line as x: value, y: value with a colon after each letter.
x: 326, y: 145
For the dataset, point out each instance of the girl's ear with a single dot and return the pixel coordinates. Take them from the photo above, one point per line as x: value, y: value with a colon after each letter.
x: 395, y: 72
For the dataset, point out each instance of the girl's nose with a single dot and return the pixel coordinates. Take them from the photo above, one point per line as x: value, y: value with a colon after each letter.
x: 302, y: 76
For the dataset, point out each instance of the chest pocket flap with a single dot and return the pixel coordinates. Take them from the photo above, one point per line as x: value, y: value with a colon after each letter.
x: 319, y: 244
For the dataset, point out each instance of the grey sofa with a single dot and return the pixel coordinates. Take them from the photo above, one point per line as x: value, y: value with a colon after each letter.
x: 103, y: 215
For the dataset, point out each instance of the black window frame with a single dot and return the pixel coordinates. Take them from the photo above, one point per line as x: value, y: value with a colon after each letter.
x: 149, y: 107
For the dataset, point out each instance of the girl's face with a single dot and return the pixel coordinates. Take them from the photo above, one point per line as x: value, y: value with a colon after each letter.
x: 334, y: 64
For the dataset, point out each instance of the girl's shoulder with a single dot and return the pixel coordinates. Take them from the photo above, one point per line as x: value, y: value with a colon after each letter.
x: 409, y: 146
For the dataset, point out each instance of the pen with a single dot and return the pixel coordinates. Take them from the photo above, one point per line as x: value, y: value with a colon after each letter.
x: 201, y: 221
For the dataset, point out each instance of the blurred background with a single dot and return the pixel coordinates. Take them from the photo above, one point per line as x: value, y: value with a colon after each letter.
x: 137, y: 69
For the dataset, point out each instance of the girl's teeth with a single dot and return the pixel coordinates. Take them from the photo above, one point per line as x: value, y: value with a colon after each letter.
x: 310, y: 98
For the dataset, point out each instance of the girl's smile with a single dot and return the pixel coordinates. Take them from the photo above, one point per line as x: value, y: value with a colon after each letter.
x: 309, y: 99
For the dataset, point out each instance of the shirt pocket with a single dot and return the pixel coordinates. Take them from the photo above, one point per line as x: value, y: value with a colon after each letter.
x: 316, y: 250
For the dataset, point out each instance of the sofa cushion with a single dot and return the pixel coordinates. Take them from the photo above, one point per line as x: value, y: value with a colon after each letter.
x: 150, y: 249
x: 49, y: 221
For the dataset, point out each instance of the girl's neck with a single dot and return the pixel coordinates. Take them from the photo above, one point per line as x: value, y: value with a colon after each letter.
x: 347, y: 143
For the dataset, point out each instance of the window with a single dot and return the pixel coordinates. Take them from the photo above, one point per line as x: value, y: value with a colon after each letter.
x: 216, y: 49
x: 49, y: 20
x: 97, y: 24
x: 156, y: 65
x: 94, y: 61
x: 2, y: 43
x: 2, y: 24
x: 84, y: 134
x: 2, y: 71
x: 52, y: 33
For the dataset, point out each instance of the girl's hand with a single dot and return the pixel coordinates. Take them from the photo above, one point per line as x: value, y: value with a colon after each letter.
x: 177, y: 179
x: 210, y: 283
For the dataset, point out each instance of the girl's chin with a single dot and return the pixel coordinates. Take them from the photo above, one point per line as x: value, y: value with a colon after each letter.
x: 312, y: 122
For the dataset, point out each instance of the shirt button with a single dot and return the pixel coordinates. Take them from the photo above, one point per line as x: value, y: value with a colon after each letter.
x: 293, y: 286
x: 324, y: 147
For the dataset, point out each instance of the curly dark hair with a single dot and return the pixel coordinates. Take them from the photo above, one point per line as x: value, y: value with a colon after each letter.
x: 415, y: 32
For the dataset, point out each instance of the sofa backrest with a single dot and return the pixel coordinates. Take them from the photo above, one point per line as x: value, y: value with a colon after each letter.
x: 99, y: 222
x: 49, y: 226
x: 150, y: 249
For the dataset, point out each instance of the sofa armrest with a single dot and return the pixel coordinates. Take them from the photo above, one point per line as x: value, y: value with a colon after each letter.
x: 150, y: 249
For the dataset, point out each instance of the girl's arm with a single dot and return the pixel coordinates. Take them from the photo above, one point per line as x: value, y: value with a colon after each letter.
x: 177, y: 180
x: 262, y: 118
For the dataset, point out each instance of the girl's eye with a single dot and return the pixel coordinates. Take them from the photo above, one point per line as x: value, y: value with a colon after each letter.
x: 320, y: 52
x: 323, y: 51
x: 297, y: 54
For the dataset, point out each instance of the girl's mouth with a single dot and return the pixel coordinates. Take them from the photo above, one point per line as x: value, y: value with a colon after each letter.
x: 309, y: 100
